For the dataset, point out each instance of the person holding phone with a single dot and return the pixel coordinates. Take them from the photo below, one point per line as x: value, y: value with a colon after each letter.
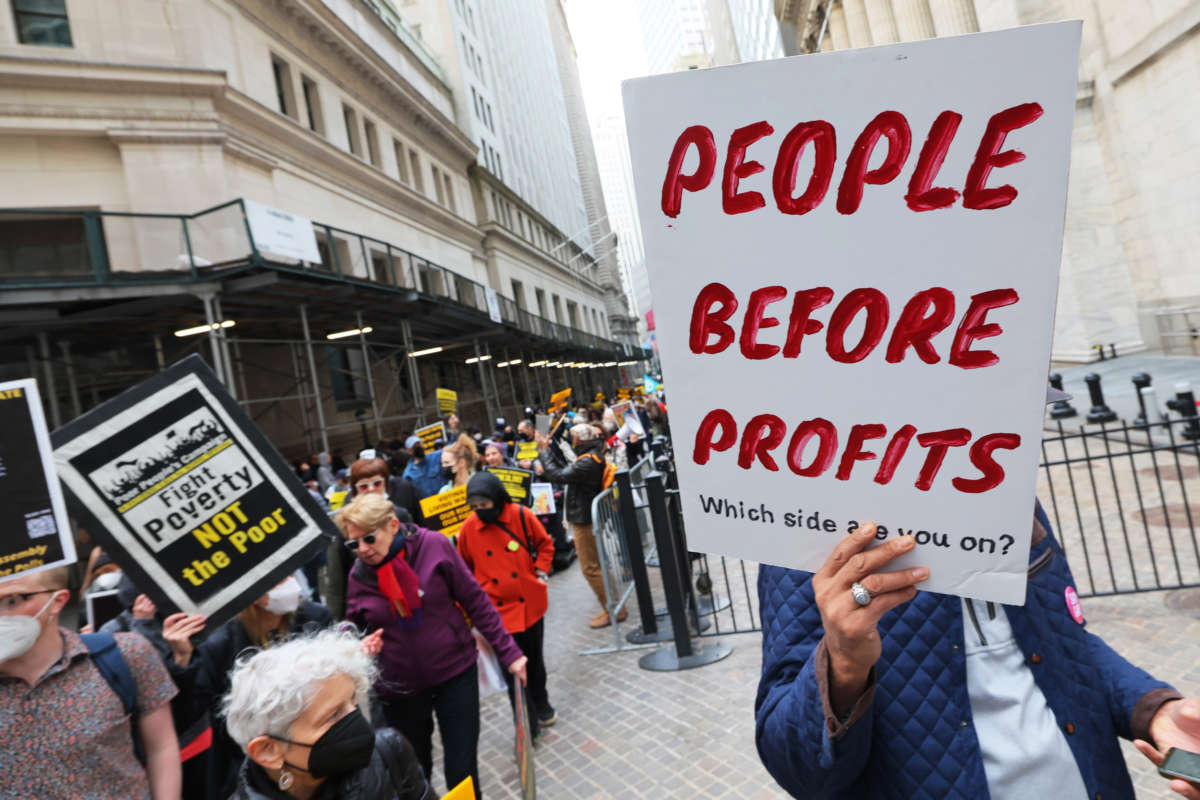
x: 872, y: 688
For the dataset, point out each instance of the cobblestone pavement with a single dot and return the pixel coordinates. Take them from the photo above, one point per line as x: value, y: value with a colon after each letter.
x: 623, y: 732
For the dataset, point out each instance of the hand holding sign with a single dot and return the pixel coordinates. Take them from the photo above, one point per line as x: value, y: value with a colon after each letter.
x: 178, y: 630
x: 851, y: 635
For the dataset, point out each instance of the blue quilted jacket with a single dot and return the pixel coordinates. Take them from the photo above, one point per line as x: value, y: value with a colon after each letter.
x: 917, y: 739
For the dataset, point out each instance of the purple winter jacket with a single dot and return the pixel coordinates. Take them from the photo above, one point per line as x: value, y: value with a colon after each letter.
x: 440, y: 647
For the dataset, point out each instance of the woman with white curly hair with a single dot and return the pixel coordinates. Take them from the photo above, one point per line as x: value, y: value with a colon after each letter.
x: 296, y: 709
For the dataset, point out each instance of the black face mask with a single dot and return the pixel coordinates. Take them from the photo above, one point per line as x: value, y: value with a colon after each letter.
x: 346, y: 747
x: 448, y: 473
x: 488, y: 515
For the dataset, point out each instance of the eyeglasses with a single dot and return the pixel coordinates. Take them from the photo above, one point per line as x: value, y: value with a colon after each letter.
x: 11, y: 602
x: 366, y: 486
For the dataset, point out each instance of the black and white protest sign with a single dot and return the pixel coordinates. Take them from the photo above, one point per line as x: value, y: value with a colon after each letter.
x: 34, y: 531
x: 186, y: 494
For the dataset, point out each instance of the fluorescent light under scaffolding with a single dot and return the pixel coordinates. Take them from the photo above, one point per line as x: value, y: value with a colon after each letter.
x: 344, y: 334
x: 477, y: 359
x: 427, y: 352
x: 205, y: 328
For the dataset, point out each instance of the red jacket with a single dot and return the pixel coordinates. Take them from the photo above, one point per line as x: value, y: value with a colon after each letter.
x: 507, y: 575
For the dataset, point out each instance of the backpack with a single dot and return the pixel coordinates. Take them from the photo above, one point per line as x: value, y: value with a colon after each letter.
x: 610, y: 471
x: 103, y: 650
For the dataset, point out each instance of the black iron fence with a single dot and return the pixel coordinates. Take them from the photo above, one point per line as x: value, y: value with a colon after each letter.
x: 1119, y: 495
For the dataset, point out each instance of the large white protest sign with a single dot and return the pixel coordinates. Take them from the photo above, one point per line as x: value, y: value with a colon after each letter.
x: 854, y: 259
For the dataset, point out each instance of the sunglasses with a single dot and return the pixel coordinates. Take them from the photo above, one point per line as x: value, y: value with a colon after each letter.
x: 352, y: 544
x: 365, y: 486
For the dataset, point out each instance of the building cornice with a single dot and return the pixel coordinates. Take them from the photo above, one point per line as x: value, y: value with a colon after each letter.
x: 333, y: 34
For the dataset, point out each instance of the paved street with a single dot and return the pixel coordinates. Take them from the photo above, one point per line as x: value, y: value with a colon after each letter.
x: 627, y: 733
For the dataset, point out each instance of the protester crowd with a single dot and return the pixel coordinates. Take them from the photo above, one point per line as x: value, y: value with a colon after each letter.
x: 328, y: 685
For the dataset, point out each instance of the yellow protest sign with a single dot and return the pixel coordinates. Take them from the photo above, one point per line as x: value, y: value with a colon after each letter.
x: 527, y: 451
x: 431, y: 434
x: 624, y: 394
x: 464, y: 791
x: 558, y: 400
x: 516, y: 482
x: 447, y: 401
x: 445, y: 512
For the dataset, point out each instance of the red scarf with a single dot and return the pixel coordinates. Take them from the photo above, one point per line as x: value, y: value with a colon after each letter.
x: 399, y: 584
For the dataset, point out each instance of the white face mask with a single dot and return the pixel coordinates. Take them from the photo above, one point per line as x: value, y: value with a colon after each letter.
x: 18, y: 633
x: 285, y: 598
x: 107, y: 581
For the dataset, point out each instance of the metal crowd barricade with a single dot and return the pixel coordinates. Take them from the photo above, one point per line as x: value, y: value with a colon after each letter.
x: 617, y: 565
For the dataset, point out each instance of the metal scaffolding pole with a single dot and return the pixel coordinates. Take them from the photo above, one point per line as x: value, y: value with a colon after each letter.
x: 72, y: 386
x: 240, y: 371
x: 312, y: 367
x: 414, y: 373
x: 48, y: 371
x: 159, y: 357
x: 483, y: 384
x: 212, y: 338
x: 525, y: 375
x: 366, y: 355
x: 230, y: 380
x: 299, y: 373
x: 512, y: 377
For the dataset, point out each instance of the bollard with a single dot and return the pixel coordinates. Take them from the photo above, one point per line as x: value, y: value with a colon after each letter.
x: 637, y: 558
x: 1061, y: 408
x: 1184, y: 404
x: 1099, y: 348
x: 1141, y: 382
x: 1113, y: 347
x: 1100, y: 411
x: 674, y: 576
x: 1149, y: 397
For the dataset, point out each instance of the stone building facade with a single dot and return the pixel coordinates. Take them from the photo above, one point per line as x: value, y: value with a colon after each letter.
x: 1131, y: 239
x: 332, y: 110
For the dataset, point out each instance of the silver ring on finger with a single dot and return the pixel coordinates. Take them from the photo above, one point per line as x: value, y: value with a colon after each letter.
x: 860, y: 594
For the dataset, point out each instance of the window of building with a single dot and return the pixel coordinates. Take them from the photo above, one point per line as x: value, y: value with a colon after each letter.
x: 572, y: 314
x: 372, y: 143
x: 499, y: 167
x: 471, y: 19
x: 285, y: 95
x: 438, y: 189
x: 47, y: 246
x: 42, y: 22
x: 449, y: 190
x: 540, y: 296
x: 490, y: 123
x: 557, y: 309
x: 351, y: 120
x: 347, y: 376
x: 401, y: 162
x: 518, y: 292
x: 312, y: 104
x: 475, y: 100
x: 414, y: 163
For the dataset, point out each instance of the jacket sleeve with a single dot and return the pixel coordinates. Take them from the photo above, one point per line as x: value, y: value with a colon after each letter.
x: 1133, y: 695
x: 403, y: 768
x: 556, y: 471
x: 794, y: 741
x: 465, y: 537
x: 541, y: 541
x: 484, y: 616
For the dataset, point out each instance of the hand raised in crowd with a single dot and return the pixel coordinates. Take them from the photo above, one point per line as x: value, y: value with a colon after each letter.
x: 517, y: 668
x: 372, y: 644
x: 144, y: 608
x: 542, y: 440
x: 851, y: 630
x: 1175, y: 724
x: 178, y: 630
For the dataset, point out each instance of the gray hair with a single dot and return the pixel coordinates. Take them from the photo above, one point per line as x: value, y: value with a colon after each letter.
x: 269, y: 689
x: 583, y: 432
